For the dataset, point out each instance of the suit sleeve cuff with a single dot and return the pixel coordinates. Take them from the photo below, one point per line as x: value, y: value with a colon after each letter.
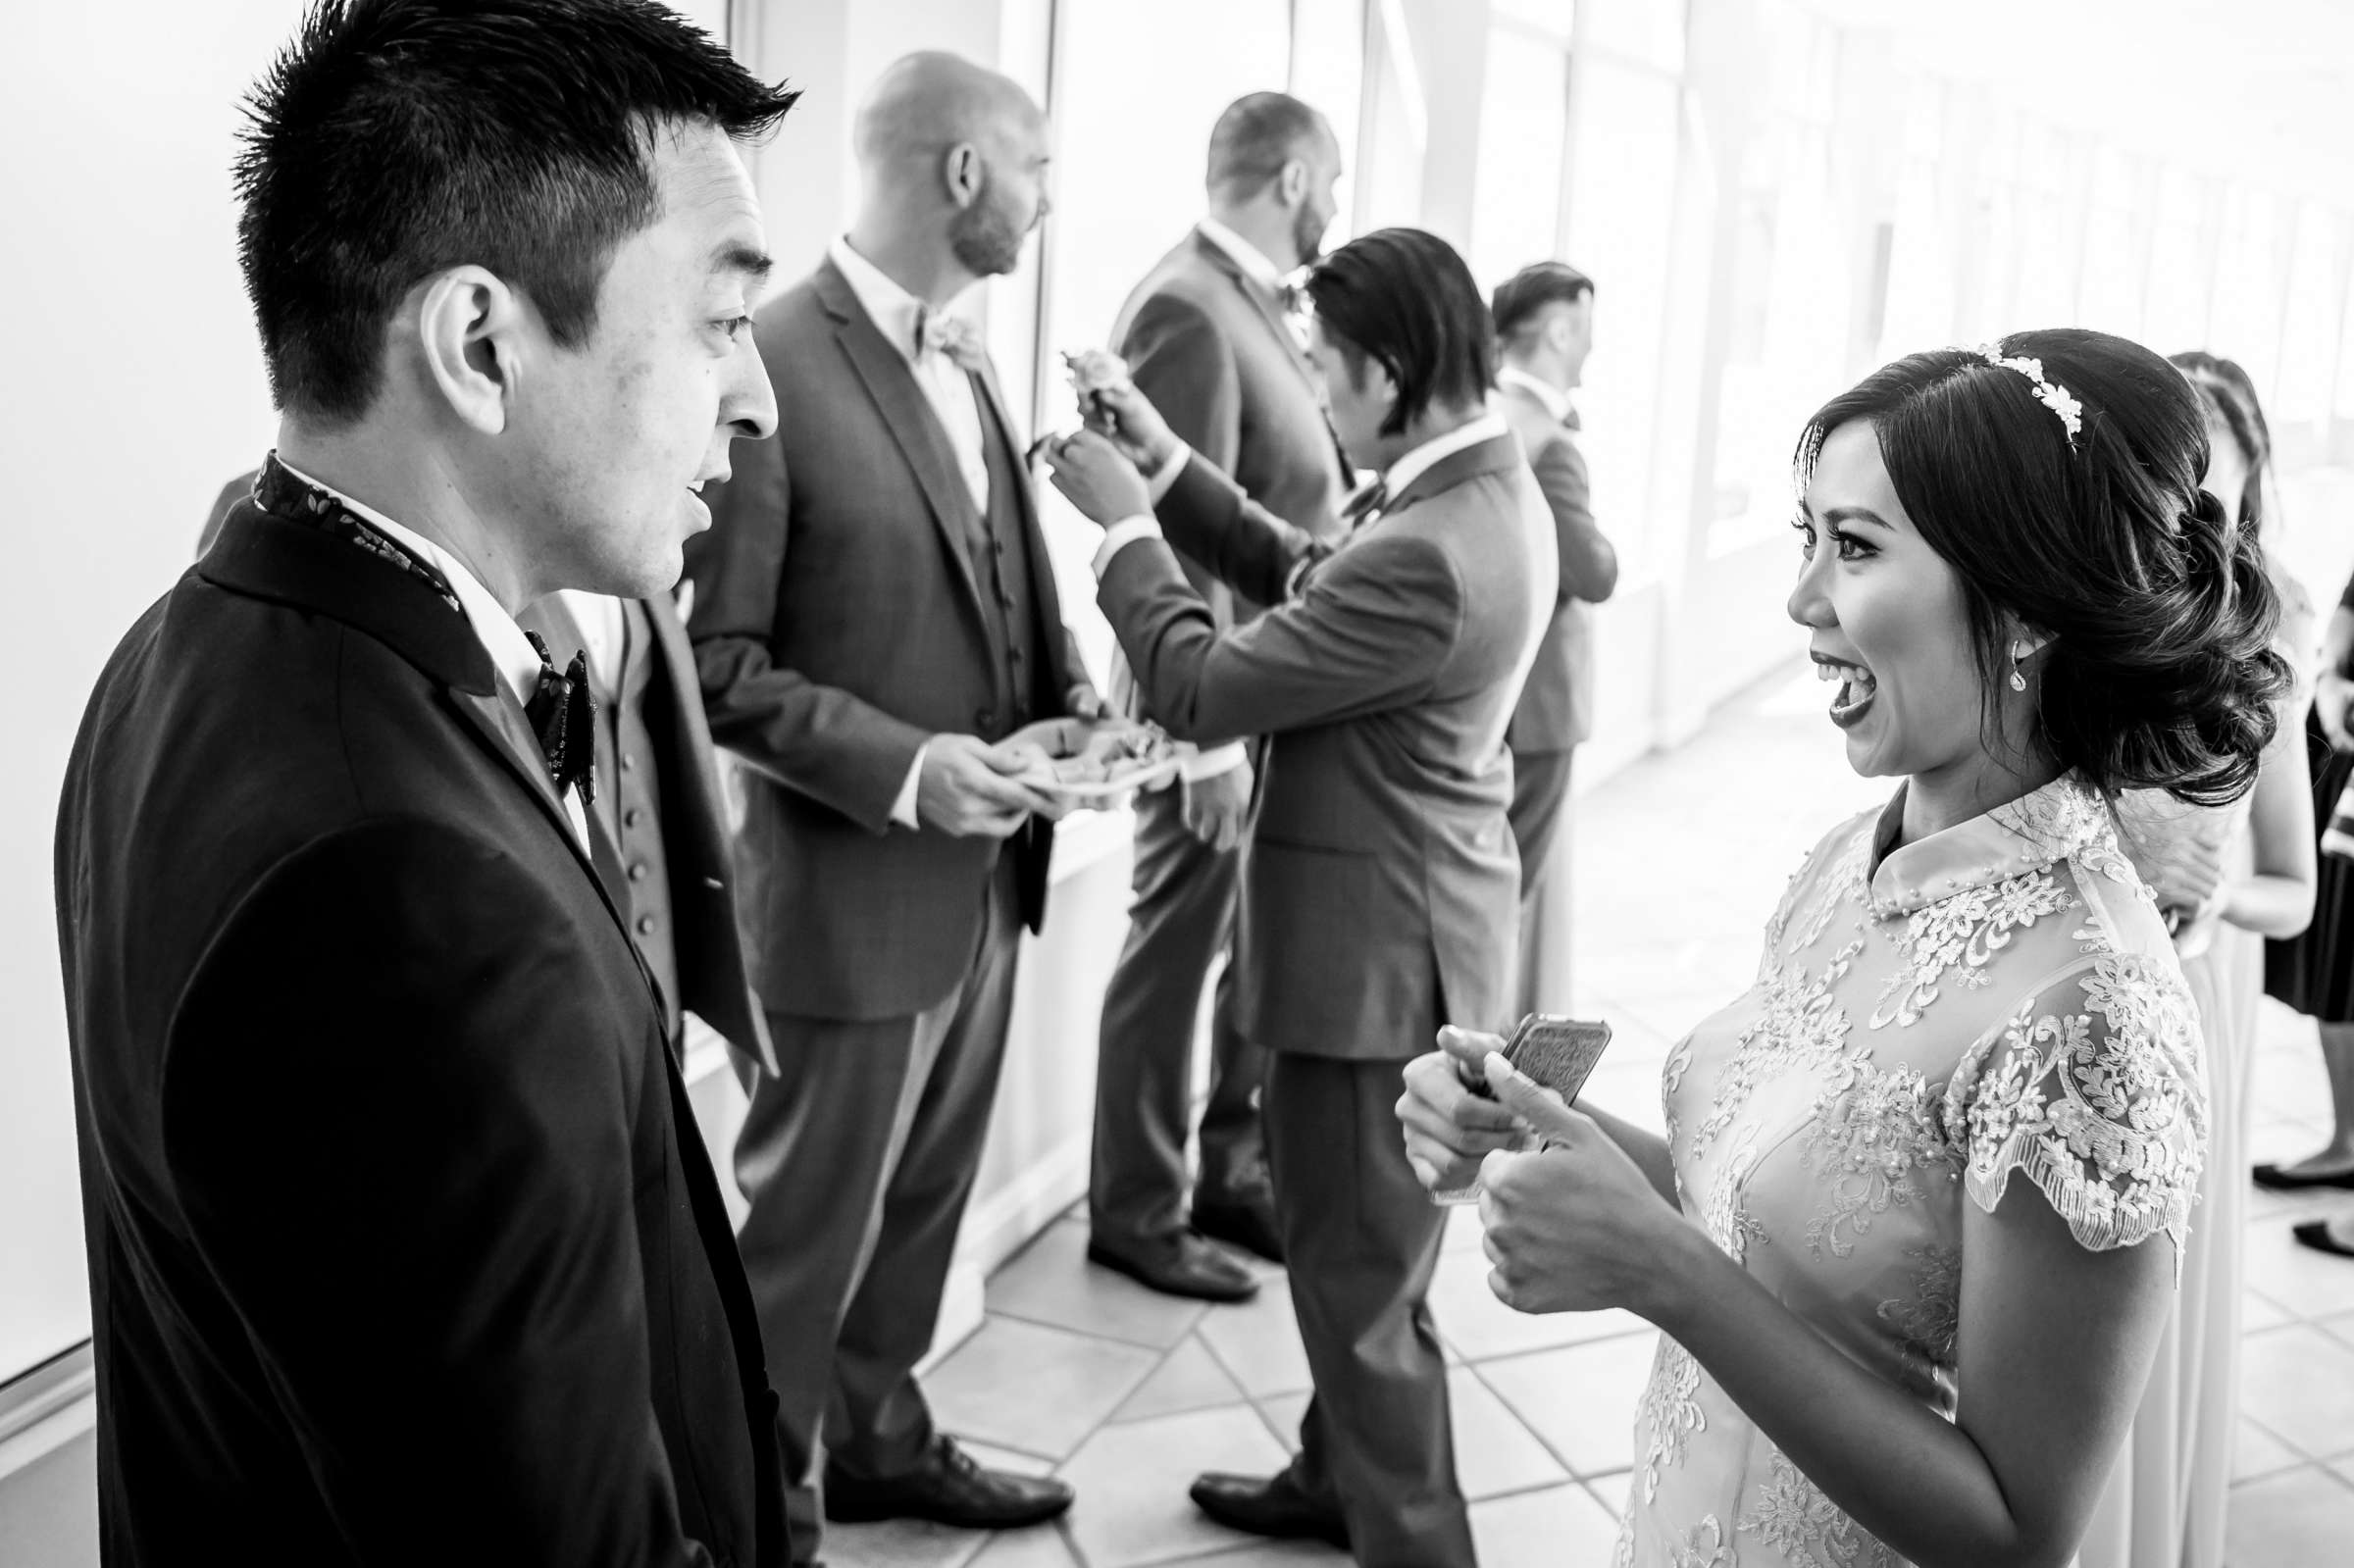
x: 1158, y: 483
x: 903, y: 810
x: 1213, y: 762
x: 1119, y: 536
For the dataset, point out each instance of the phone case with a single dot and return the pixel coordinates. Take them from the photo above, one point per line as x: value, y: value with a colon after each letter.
x: 1558, y: 1053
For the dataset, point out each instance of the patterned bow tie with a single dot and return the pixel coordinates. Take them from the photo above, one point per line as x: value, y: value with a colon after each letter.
x: 279, y: 492
x: 563, y: 715
x: 939, y: 332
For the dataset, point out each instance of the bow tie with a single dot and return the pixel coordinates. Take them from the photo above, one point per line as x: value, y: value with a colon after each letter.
x: 939, y: 332
x: 563, y: 715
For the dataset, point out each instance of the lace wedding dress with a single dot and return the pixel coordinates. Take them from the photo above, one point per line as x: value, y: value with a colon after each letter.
x: 1996, y: 1000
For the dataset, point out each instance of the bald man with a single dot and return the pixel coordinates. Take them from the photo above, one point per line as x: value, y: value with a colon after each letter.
x: 875, y: 613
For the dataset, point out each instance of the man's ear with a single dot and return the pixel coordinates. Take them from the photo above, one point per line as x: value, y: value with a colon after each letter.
x: 470, y: 326
x: 962, y: 173
x: 1291, y: 185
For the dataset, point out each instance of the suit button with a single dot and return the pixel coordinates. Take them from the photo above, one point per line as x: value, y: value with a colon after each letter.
x: 984, y: 718
x: 1015, y: 654
x: 646, y: 924
x: 631, y: 817
x: 629, y: 762
x: 638, y: 871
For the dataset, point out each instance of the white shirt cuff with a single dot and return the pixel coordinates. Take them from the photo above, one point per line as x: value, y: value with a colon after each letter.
x: 903, y: 810
x: 1119, y: 536
x: 1215, y: 761
x: 1163, y: 478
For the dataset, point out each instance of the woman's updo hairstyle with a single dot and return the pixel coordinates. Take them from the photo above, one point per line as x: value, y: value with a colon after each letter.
x: 2160, y: 672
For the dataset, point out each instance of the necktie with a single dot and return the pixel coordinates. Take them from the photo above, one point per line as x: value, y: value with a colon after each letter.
x: 276, y: 492
x: 563, y: 715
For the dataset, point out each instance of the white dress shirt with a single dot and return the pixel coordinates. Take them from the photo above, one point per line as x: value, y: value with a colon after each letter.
x: 1254, y: 262
x: 604, y: 638
x: 895, y: 313
x: 510, y: 650
x: 1554, y: 401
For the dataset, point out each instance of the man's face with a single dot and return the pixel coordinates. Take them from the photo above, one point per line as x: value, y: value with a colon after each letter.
x: 987, y: 236
x: 619, y: 435
x: 1360, y: 400
x: 1322, y: 200
x: 1577, y: 335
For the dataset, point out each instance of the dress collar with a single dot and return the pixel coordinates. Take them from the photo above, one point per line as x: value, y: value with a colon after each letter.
x: 1256, y: 264
x: 2067, y: 819
x: 509, y: 648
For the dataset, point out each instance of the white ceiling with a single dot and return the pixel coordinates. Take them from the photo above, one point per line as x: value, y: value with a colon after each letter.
x: 2263, y: 89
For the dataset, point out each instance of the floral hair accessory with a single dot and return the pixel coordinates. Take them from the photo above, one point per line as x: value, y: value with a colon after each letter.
x: 2051, y: 394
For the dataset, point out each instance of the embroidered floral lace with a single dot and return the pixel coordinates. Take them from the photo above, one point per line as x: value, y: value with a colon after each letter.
x: 1996, y: 1000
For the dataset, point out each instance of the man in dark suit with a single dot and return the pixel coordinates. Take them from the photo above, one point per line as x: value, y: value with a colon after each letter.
x: 1381, y: 894
x: 875, y: 616
x: 1544, y: 330
x: 403, y: 1248
x: 1206, y: 343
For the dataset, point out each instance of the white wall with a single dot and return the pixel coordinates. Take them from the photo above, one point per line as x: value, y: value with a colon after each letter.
x: 133, y: 389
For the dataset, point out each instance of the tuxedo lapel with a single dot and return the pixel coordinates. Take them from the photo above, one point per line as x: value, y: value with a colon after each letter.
x: 1267, y: 308
x: 909, y: 418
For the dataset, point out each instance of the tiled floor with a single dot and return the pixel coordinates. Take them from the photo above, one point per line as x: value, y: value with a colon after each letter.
x: 1678, y: 861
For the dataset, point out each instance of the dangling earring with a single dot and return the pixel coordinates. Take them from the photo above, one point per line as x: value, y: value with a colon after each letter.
x: 2019, y: 651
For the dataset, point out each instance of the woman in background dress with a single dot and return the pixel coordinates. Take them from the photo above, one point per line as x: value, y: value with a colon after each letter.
x: 1914, y: 1229
x: 2226, y: 878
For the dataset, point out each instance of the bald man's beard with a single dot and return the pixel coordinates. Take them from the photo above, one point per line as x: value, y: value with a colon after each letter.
x: 1307, y: 235
x: 986, y: 238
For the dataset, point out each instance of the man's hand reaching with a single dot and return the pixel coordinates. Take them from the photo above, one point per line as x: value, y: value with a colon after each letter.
x: 967, y: 789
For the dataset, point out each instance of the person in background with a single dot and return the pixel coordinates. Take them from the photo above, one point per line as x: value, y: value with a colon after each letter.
x: 1912, y: 1235
x: 1544, y: 318
x: 403, y: 1245
x: 1382, y: 891
x: 2314, y: 974
x: 1206, y: 341
x: 2226, y: 877
x: 875, y: 616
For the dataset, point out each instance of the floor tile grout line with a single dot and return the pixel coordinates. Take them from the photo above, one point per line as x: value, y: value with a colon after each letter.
x: 1119, y: 1339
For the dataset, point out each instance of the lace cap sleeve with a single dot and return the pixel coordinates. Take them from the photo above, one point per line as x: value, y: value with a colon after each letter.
x: 2093, y: 1088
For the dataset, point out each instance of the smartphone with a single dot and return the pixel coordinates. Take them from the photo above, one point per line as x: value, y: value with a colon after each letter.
x: 1558, y: 1053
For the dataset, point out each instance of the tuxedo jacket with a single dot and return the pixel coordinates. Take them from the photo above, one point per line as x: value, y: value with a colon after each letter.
x: 839, y: 623
x: 1382, y: 888
x: 1556, y: 705
x: 403, y: 1246
x: 712, y: 981
x: 1208, y: 346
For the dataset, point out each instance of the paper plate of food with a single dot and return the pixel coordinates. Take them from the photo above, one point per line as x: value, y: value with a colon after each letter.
x: 1087, y: 761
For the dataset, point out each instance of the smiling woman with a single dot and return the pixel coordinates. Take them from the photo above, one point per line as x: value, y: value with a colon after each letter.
x: 1880, y: 1349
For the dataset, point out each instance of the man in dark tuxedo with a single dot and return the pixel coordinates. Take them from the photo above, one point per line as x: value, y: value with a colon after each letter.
x: 1382, y: 891
x: 1206, y: 343
x: 402, y: 1245
x: 875, y: 617
x: 1544, y: 330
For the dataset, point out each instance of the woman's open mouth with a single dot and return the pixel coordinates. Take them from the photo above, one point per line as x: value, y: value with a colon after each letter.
x: 1856, y: 689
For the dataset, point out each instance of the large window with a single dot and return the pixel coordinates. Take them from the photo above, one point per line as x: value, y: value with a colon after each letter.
x: 1523, y: 118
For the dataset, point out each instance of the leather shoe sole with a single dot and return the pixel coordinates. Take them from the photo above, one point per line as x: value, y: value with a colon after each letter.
x: 1196, y: 1272
x: 2314, y: 1234
x: 2277, y: 1180
x: 1269, y: 1507
x: 1248, y: 1225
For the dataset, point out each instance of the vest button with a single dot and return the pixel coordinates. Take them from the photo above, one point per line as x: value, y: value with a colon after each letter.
x: 638, y: 871
x: 631, y: 817
x: 646, y: 924
x: 629, y: 762
x: 983, y: 719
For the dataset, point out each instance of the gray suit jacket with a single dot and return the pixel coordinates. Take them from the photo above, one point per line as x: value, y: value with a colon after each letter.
x: 837, y: 624
x: 1382, y: 891
x: 1556, y: 705
x: 1210, y: 348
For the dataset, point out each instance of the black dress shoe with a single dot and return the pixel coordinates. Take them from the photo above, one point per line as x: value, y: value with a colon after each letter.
x: 1271, y: 1507
x: 2280, y: 1181
x: 1184, y: 1265
x: 2314, y: 1234
x: 948, y: 1488
x: 1246, y: 1221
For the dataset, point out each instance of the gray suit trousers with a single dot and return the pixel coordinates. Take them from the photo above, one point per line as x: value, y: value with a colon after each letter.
x: 857, y: 1161
x: 1361, y: 1240
x: 1540, y: 802
x: 1182, y: 918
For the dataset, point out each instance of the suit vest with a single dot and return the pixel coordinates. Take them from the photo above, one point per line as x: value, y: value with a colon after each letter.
x: 999, y: 548
x: 628, y: 797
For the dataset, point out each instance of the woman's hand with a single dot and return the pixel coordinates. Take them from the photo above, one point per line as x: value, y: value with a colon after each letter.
x: 1449, y: 1129
x: 1576, y: 1226
x: 2331, y: 692
x: 1127, y: 418
x: 1093, y: 474
x: 2187, y: 878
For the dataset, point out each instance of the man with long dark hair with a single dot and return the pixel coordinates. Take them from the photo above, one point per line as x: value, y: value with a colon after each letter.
x: 1381, y: 896
x: 403, y: 1243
